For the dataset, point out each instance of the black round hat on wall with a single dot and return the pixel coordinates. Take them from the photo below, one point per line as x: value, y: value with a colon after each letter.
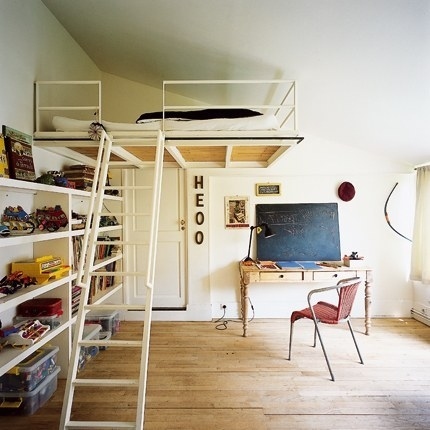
x: 346, y: 191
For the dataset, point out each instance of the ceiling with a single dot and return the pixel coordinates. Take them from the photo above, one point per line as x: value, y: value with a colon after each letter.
x: 362, y: 67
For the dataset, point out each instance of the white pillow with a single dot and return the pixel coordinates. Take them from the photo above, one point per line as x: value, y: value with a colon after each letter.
x: 62, y: 123
x: 120, y: 126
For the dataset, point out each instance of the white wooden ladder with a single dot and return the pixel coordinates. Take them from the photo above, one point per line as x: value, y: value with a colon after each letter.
x: 86, y: 271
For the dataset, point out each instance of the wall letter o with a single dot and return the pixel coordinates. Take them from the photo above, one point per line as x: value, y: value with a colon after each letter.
x: 200, y: 218
x: 199, y: 237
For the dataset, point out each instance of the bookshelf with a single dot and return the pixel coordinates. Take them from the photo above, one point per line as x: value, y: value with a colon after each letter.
x: 64, y: 244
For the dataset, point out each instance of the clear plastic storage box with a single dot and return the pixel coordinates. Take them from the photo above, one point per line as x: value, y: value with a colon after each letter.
x: 53, y: 321
x: 28, y: 374
x: 28, y: 402
x: 109, y: 320
x: 86, y: 353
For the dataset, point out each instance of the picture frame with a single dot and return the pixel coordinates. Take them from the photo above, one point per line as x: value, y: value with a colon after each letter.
x: 268, y: 189
x: 237, y: 212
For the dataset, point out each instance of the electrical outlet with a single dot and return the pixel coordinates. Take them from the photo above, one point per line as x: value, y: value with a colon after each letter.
x: 222, y: 306
x: 425, y: 310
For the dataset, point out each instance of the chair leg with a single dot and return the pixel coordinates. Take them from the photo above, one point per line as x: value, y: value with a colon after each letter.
x: 291, y: 340
x: 355, y: 341
x: 324, y: 351
x: 315, y: 336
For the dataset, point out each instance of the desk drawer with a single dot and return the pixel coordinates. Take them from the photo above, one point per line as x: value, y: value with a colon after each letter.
x: 333, y: 275
x: 281, y: 276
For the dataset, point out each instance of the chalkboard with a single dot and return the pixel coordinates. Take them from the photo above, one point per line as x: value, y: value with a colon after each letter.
x: 303, y: 232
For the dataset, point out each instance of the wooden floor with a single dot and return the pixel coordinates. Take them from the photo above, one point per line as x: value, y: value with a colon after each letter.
x: 204, y: 378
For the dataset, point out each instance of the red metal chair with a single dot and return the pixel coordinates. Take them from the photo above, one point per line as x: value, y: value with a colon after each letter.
x: 328, y: 313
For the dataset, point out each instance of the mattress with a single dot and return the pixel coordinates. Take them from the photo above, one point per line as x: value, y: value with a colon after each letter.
x: 257, y: 123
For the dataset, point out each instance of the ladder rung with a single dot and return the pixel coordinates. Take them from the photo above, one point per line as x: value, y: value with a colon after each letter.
x: 100, y: 425
x: 118, y: 273
x: 119, y: 242
x: 120, y: 307
x: 106, y: 382
x: 127, y: 187
x: 125, y: 214
x: 114, y: 343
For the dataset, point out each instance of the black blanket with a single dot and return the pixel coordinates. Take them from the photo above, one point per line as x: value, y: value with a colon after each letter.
x: 201, y: 114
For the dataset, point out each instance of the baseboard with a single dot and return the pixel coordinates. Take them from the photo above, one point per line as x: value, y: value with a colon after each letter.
x: 419, y: 316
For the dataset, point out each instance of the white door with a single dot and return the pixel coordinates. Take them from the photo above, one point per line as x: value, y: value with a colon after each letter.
x: 169, y: 286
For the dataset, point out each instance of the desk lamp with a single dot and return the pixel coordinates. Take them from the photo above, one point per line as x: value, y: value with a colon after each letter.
x: 267, y: 233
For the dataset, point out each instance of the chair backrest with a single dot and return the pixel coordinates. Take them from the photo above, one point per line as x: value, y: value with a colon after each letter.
x: 347, y: 289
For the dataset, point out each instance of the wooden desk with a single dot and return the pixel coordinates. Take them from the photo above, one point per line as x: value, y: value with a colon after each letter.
x: 252, y: 274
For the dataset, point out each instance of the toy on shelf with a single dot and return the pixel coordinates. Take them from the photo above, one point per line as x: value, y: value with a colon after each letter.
x: 50, y: 218
x: 78, y: 221
x: 25, y: 333
x: 40, y: 307
x: 43, y: 269
x: 106, y: 221
x: 10, y: 284
x: 54, y: 177
x: 17, y: 220
x: 46, y: 179
x: 4, y: 231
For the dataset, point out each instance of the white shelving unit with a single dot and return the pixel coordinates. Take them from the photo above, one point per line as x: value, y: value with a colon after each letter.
x: 31, y: 196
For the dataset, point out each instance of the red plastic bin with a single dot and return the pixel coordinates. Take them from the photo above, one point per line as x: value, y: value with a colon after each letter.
x: 40, y: 307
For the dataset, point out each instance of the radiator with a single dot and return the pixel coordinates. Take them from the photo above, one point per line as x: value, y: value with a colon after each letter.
x: 419, y: 316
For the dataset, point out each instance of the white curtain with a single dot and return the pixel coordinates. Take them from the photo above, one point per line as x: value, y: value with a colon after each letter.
x: 420, y: 264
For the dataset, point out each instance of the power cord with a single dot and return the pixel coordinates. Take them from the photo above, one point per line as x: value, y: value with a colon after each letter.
x: 223, y: 323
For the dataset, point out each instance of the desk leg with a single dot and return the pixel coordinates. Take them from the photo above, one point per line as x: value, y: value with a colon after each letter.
x: 367, y: 302
x: 244, y: 305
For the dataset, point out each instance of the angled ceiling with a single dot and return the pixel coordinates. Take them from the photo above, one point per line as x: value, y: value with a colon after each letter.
x: 362, y: 67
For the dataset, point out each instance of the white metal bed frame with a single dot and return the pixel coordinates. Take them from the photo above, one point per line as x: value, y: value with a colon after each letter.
x: 234, y: 143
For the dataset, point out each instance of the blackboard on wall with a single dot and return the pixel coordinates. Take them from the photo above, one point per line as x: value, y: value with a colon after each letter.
x: 303, y: 232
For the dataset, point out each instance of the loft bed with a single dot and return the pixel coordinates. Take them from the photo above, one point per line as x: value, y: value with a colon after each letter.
x: 254, y: 131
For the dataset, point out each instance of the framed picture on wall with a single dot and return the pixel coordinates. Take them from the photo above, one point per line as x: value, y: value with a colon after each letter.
x: 236, y: 212
x: 268, y: 189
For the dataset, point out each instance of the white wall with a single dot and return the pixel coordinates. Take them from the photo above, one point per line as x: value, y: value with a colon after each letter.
x: 34, y: 46
x: 312, y: 172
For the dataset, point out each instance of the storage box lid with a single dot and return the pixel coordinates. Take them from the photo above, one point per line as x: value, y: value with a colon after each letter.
x: 91, y: 331
x: 33, y: 361
x: 39, y: 388
x: 101, y: 314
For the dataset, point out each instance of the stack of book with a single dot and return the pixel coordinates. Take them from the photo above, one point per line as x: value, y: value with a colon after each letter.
x: 77, y: 242
x: 81, y: 175
x: 100, y: 283
x: 76, y: 298
x: 103, y: 251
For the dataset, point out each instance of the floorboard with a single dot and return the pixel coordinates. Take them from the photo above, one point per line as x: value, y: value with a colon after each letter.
x: 204, y: 378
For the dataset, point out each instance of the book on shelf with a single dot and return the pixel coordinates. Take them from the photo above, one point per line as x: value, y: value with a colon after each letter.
x: 76, y: 174
x: 4, y: 168
x: 100, y: 283
x: 76, y: 298
x: 108, y: 249
x: 81, y: 167
x: 77, y: 242
x: 81, y: 184
x: 19, y: 150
